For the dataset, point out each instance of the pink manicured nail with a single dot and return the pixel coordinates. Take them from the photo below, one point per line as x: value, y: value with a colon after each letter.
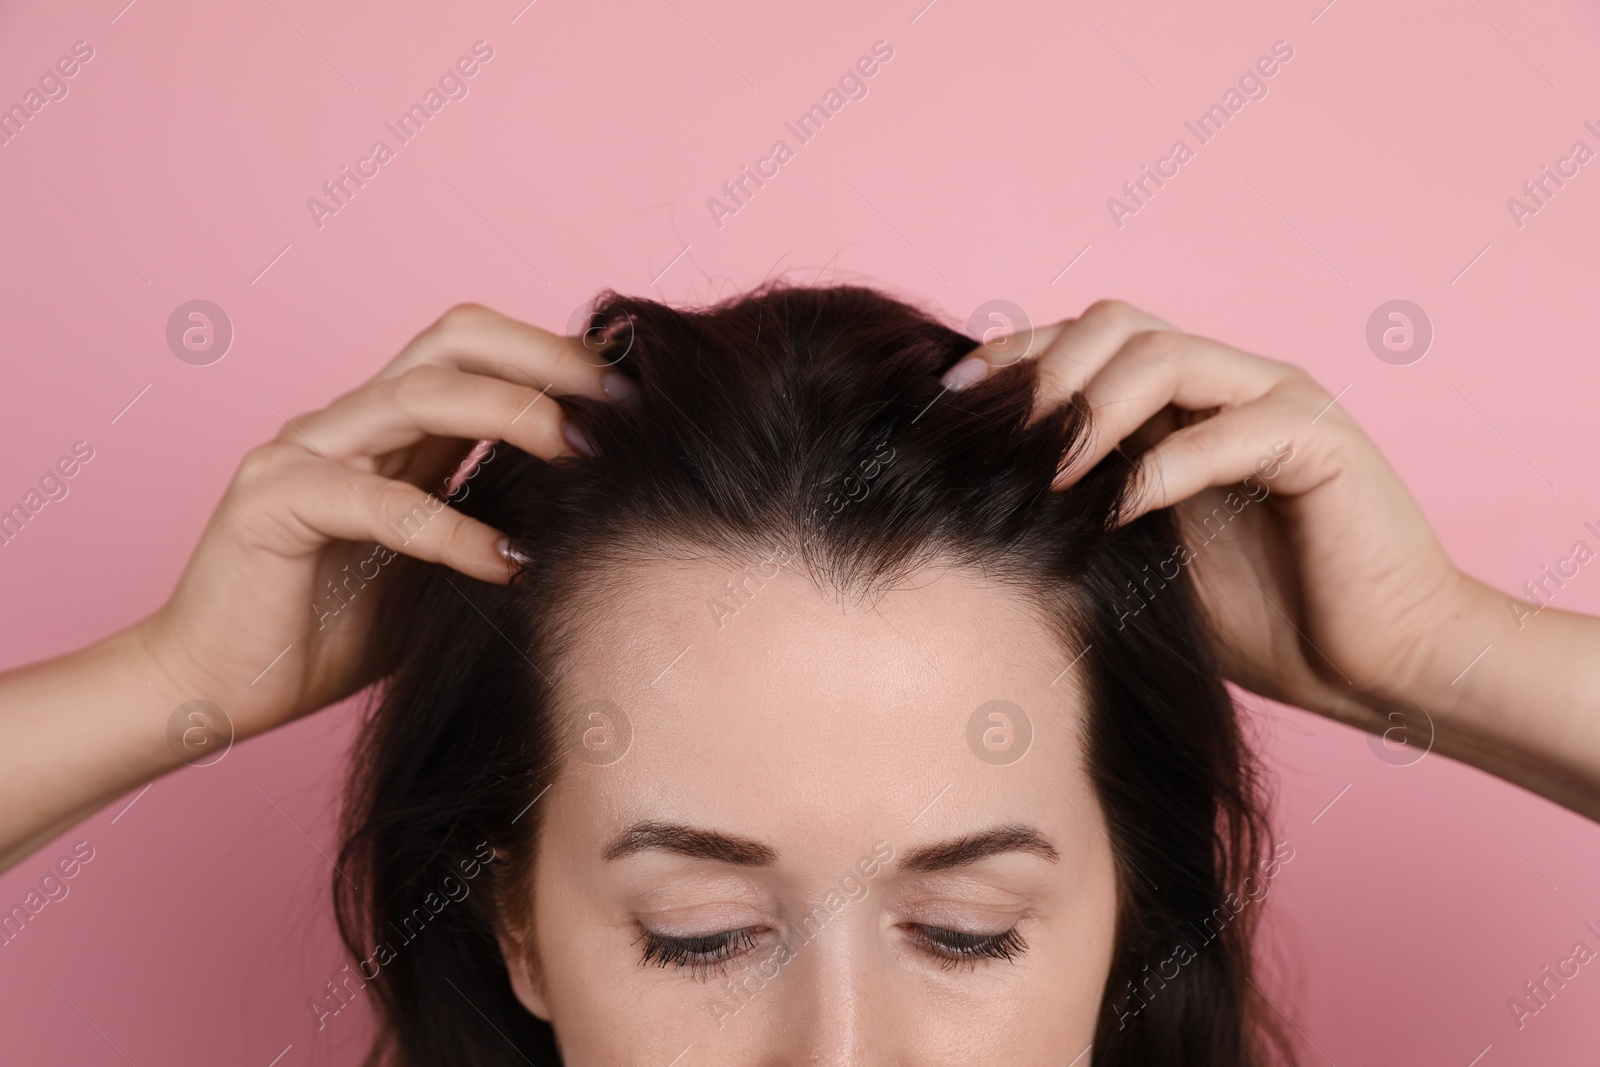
x: 574, y: 437
x: 618, y: 386
x: 969, y: 371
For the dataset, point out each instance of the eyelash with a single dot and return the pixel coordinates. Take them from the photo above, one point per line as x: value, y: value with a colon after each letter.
x: 953, y: 948
x: 711, y: 952
x: 702, y: 955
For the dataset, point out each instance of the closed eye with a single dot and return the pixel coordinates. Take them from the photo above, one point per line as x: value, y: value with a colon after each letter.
x: 701, y: 953
x: 955, y: 947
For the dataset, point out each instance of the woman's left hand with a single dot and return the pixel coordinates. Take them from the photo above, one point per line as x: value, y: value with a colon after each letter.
x: 1321, y: 580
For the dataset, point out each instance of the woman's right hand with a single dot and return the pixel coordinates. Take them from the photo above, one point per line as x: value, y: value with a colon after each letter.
x: 268, y: 616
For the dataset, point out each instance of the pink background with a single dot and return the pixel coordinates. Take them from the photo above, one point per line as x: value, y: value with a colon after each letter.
x: 978, y: 167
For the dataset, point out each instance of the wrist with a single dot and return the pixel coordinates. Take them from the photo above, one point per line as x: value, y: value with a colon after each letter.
x: 130, y: 697
x: 196, y: 721
x: 1467, y: 627
x: 97, y: 720
x: 1523, y: 682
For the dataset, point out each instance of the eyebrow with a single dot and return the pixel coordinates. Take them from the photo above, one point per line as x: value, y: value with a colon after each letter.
x: 690, y: 841
x: 697, y: 843
x: 971, y: 848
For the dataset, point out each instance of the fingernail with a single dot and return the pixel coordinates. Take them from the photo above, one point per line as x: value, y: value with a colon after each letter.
x: 969, y: 371
x: 574, y: 437
x: 503, y: 546
x: 618, y: 386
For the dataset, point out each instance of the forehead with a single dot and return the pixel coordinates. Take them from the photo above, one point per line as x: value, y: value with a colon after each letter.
x: 747, y: 695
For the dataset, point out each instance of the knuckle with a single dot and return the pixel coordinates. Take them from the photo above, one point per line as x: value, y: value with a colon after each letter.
x: 289, y: 433
x: 1294, y: 375
x: 514, y: 402
x: 1111, y: 310
x: 262, y: 465
x: 1298, y: 385
x: 413, y: 388
x: 407, y: 512
x: 462, y: 316
x: 397, y: 500
x: 455, y: 539
x: 1155, y: 348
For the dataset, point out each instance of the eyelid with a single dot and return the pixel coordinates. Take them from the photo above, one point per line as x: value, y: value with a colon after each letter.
x: 968, y: 890
x: 697, y: 892
x: 961, y: 904
x: 700, y: 920
x: 967, y: 924
x: 953, y: 948
x: 700, y: 953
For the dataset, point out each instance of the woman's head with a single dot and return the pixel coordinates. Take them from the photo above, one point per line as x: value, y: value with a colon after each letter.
x: 817, y: 728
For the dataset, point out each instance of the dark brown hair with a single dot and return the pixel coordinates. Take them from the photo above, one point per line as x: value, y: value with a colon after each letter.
x: 750, y: 414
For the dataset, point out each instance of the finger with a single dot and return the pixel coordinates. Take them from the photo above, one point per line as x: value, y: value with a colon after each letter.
x: 1251, y: 444
x: 1155, y: 369
x: 312, y: 500
x: 1000, y: 349
x: 1085, y: 347
x: 433, y: 462
x: 392, y: 412
x: 473, y: 338
x: 1069, y: 353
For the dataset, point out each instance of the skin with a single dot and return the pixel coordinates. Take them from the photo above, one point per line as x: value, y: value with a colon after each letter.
x: 821, y: 733
x: 1336, y: 596
x: 82, y: 729
x: 1332, y: 594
